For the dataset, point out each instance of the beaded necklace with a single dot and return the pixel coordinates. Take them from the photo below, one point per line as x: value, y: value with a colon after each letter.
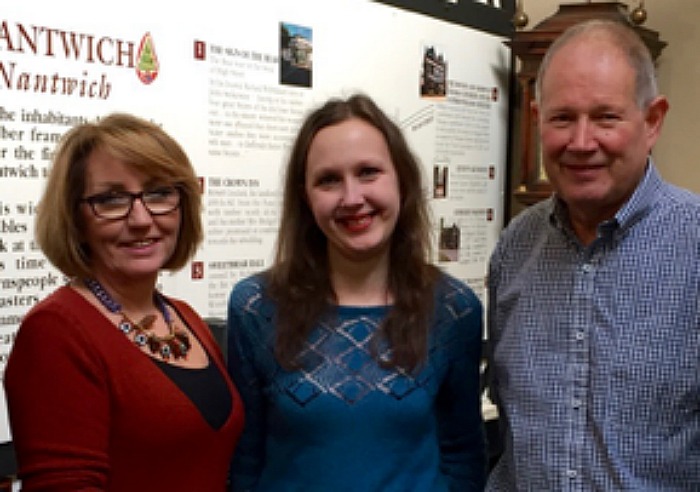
x: 176, y: 343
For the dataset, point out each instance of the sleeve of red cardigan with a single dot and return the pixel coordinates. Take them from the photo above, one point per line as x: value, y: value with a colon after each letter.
x: 58, y: 404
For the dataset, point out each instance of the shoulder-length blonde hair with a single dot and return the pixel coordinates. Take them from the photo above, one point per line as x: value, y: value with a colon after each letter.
x: 139, y: 143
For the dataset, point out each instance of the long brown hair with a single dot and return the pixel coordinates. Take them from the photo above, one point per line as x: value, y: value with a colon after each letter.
x: 299, y: 280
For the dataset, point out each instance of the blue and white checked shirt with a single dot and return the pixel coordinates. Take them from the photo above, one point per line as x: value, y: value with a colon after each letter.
x: 596, y: 349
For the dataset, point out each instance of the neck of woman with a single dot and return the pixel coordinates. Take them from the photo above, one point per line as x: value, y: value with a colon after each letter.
x: 134, y: 295
x: 361, y: 283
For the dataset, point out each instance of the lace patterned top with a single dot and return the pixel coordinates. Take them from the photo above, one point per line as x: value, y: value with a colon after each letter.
x: 343, y: 423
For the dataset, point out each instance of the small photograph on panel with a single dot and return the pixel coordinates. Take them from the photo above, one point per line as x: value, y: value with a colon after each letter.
x: 296, y: 55
x: 433, y: 75
x: 440, y: 179
x: 448, y: 242
x: 197, y: 270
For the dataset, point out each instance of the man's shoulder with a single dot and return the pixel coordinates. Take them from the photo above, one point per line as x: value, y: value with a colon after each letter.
x: 677, y: 208
x: 529, y: 223
x: 675, y: 196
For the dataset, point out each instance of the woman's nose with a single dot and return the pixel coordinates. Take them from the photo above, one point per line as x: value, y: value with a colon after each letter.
x: 139, y: 214
x: 351, y: 193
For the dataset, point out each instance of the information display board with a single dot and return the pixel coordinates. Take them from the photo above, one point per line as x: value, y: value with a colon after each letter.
x: 232, y: 85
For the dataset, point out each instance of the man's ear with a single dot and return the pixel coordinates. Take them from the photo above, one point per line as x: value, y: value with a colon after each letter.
x: 654, y: 119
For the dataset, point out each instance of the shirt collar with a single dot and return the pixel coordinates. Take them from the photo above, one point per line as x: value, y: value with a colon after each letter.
x: 636, y: 207
x: 642, y: 199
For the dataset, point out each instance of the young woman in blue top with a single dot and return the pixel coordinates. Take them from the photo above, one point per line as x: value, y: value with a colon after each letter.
x: 357, y: 360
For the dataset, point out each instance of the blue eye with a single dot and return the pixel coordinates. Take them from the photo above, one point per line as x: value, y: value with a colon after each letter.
x: 369, y: 172
x: 327, y: 180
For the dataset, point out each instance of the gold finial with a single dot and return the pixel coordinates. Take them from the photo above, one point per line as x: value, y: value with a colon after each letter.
x: 639, y: 14
x: 520, y: 18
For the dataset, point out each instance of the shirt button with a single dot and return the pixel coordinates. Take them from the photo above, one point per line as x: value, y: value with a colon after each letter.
x: 579, y: 335
x: 571, y: 473
x: 587, y: 268
x: 576, y: 403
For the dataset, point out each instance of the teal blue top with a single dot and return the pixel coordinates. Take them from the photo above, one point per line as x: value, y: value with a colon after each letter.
x: 343, y: 423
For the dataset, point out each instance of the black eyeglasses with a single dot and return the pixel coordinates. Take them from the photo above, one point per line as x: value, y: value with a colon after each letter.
x: 114, y: 205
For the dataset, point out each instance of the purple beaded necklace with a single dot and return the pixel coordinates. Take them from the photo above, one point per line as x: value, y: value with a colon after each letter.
x: 175, y: 344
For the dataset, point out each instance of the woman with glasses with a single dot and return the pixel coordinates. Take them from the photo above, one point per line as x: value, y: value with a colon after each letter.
x: 110, y: 384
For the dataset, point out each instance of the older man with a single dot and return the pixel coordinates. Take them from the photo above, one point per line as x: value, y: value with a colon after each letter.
x: 594, y: 293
